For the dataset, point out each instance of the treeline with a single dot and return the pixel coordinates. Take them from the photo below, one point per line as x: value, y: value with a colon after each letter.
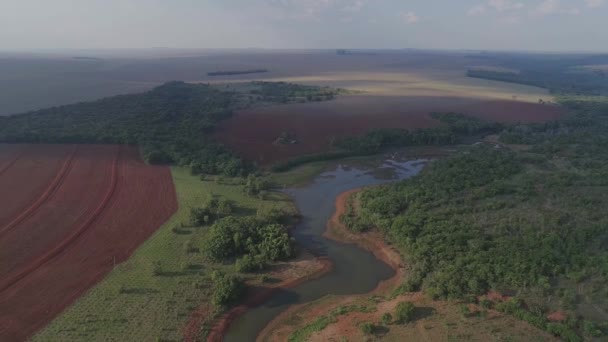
x: 236, y: 72
x: 284, y: 92
x: 172, y: 124
x: 455, y: 127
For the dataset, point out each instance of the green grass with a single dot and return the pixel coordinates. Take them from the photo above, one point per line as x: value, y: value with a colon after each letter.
x: 133, y: 304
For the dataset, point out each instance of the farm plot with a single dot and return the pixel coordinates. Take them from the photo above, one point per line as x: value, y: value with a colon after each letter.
x: 105, y: 204
x: 313, y: 126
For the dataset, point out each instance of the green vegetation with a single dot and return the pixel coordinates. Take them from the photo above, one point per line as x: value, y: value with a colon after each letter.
x: 152, y: 294
x: 238, y: 236
x: 528, y: 221
x: 387, y: 318
x: 455, y: 127
x: 368, y: 328
x: 404, y: 313
x: 283, y: 92
x: 173, y: 123
x: 211, y: 211
x: 227, y: 289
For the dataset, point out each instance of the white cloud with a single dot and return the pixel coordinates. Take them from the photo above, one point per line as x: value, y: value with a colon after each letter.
x: 354, y: 7
x: 476, y: 10
x: 495, y: 5
x: 548, y: 7
x: 409, y: 17
x: 505, y: 5
x: 594, y: 3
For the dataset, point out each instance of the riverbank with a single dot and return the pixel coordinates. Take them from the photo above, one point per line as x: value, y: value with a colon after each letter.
x: 285, y: 275
x: 280, y: 329
x: 333, y: 318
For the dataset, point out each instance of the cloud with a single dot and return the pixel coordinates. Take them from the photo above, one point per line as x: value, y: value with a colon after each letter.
x: 505, y: 5
x: 409, y: 17
x: 548, y: 7
x: 594, y: 3
x: 495, y: 5
x: 477, y: 10
x: 354, y: 7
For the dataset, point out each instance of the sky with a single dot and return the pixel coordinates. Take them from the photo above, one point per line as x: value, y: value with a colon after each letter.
x: 540, y: 25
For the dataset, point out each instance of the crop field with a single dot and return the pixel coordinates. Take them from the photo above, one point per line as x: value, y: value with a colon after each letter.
x: 154, y: 292
x: 72, y: 213
x: 253, y: 132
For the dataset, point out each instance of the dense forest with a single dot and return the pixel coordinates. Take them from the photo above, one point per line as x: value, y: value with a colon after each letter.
x: 526, y: 221
x: 171, y: 123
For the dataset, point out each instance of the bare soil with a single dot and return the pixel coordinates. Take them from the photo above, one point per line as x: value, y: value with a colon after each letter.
x: 252, y: 133
x: 108, y: 203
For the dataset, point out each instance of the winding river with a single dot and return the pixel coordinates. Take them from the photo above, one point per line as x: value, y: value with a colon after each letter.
x: 355, y: 271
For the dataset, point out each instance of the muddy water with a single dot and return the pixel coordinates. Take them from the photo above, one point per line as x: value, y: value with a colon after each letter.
x: 355, y: 270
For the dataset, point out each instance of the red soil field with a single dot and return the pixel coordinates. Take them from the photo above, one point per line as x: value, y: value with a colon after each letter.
x: 252, y: 132
x: 107, y: 205
x: 27, y: 177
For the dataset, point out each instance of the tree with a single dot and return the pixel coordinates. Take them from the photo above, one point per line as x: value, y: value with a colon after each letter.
x: 226, y: 289
x: 404, y: 312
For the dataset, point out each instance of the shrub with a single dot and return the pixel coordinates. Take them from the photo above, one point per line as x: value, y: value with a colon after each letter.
x: 367, y: 328
x: 250, y: 263
x: 226, y: 289
x: 485, y: 303
x: 591, y: 329
x: 387, y: 318
x: 404, y: 312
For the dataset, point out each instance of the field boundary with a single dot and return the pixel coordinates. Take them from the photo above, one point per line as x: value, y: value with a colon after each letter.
x: 50, y: 190
x: 64, y: 244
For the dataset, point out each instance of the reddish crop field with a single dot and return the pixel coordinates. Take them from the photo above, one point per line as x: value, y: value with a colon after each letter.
x: 89, y: 207
x: 252, y: 132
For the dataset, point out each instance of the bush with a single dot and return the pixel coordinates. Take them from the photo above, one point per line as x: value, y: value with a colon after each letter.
x: 387, y: 318
x: 485, y: 303
x: 367, y: 328
x: 404, y: 312
x: 250, y: 263
x: 226, y: 289
x: 591, y: 329
x: 211, y: 211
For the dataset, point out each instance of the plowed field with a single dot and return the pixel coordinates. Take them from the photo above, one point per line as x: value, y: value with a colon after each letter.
x: 69, y: 214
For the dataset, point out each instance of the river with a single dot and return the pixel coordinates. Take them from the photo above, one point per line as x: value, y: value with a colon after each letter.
x: 355, y: 271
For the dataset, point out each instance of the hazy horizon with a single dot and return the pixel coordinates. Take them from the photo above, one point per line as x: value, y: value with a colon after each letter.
x: 494, y: 25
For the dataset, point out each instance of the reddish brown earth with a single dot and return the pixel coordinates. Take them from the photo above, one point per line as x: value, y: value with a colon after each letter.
x: 105, y: 206
x: 25, y: 179
x: 252, y: 132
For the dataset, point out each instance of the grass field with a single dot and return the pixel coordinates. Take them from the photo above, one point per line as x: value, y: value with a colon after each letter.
x: 134, y: 304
